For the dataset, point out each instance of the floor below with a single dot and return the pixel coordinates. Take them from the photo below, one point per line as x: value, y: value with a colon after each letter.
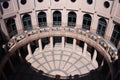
x: 62, y: 62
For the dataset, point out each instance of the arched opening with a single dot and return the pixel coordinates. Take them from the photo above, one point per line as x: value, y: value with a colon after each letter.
x: 27, y: 22
x: 102, y: 24
x: 11, y: 27
x: 115, y: 35
x: 42, y: 19
x: 86, y: 22
x: 57, y: 19
x: 71, y: 19
x: 45, y: 41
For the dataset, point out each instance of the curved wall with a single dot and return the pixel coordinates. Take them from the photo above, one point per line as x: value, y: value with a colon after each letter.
x: 97, y: 9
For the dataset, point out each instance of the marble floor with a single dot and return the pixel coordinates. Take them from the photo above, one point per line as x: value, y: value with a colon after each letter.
x: 61, y: 62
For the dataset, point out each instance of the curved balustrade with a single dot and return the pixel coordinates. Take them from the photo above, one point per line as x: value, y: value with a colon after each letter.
x: 63, y: 31
x: 104, y: 47
x: 59, y: 77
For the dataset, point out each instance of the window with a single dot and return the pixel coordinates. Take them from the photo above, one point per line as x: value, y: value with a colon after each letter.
x: 23, y: 2
x: 27, y: 22
x: 115, y: 35
x: 89, y: 1
x: 57, y: 18
x: 86, y: 22
x: 101, y: 27
x: 5, y: 5
x: 71, y: 19
x: 106, y: 4
x: 42, y: 19
x: 11, y: 27
x: 73, y: 0
x: 40, y: 0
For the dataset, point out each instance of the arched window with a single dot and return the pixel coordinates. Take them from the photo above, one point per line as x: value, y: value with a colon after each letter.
x: 57, y: 18
x: 42, y: 19
x: 11, y: 27
x: 86, y: 22
x: 27, y: 22
x: 71, y: 19
x: 116, y: 35
x: 101, y: 27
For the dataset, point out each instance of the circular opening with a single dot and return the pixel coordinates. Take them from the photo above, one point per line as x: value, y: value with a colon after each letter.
x: 73, y: 0
x: 40, y: 0
x: 23, y: 2
x: 106, y: 4
x: 89, y: 1
x: 5, y: 5
x: 56, y: 0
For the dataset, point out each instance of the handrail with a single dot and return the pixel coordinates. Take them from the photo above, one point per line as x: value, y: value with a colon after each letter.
x: 102, y: 42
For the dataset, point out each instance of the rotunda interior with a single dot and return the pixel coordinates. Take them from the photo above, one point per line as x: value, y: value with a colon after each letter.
x: 59, y: 40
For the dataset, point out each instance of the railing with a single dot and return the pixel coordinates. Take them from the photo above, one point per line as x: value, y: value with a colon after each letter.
x: 56, y: 23
x: 59, y: 77
x: 102, y: 42
x: 71, y: 24
x: 43, y: 24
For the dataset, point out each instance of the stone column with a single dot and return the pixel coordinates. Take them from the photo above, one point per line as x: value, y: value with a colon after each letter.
x: 102, y: 63
x: 4, y: 76
x: 79, y: 19
x: 51, y: 42
x: 63, y: 43
x: 11, y: 65
x: 40, y: 45
x: 64, y: 18
x: 18, y: 19
x: 74, y: 45
x: 94, y: 56
x: 85, y: 49
x: 19, y: 24
x: 109, y: 30
x: 49, y: 17
x: 94, y: 23
x: 34, y: 19
x: 29, y: 50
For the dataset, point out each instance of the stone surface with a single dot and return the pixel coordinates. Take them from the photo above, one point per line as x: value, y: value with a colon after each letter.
x: 62, y: 62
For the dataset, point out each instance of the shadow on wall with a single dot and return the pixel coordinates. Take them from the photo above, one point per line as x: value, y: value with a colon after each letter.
x: 3, y: 40
x: 25, y: 71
